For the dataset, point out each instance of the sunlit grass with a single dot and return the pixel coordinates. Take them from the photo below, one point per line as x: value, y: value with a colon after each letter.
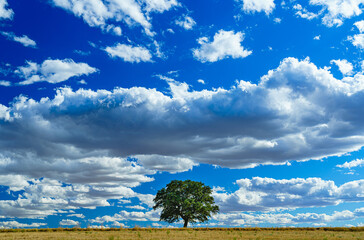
x: 186, y: 233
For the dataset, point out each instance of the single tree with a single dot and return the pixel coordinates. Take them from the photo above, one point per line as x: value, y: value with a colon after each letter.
x: 189, y: 200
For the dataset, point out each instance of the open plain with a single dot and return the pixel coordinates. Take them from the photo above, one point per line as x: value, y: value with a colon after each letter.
x: 187, y: 233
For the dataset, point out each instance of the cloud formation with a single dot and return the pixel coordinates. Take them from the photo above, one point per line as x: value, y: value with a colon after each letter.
x: 24, y: 40
x: 345, y: 67
x: 186, y: 22
x: 139, y: 216
x: 41, y: 198
x: 105, y: 14
x: 74, y: 148
x: 352, y: 164
x: 5, y: 83
x: 304, y: 13
x: 15, y: 224
x: 225, y: 44
x: 284, y: 219
x: 266, y: 194
x: 252, y: 6
x: 360, y: 25
x: 291, y: 114
x: 336, y: 11
x: 129, y: 53
x: 68, y: 222
x: 5, y: 12
x: 52, y: 71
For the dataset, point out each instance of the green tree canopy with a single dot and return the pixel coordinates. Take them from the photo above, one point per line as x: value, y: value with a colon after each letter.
x: 187, y: 200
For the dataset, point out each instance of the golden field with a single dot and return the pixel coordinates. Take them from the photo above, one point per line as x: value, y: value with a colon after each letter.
x: 187, y: 233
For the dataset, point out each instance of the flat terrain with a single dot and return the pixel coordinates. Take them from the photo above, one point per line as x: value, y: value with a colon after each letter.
x: 192, y: 233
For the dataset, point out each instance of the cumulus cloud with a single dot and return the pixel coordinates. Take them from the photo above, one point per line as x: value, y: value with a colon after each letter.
x: 277, y: 20
x: 24, y: 40
x: 285, y: 117
x: 15, y: 224
x: 225, y: 44
x: 357, y: 40
x: 129, y: 53
x: 5, y: 83
x: 304, y: 13
x: 352, y: 164
x: 77, y: 215
x: 68, y: 222
x: 186, y: 22
x: 159, y: 5
x: 265, y: 194
x: 5, y: 12
x: 360, y: 25
x: 105, y: 14
x: 252, y: 6
x: 139, y: 216
x: 336, y: 11
x: 283, y: 219
x: 45, y: 197
x: 80, y: 141
x: 52, y: 71
x: 345, y: 67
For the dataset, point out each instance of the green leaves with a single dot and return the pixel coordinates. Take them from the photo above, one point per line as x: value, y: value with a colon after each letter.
x: 189, y: 200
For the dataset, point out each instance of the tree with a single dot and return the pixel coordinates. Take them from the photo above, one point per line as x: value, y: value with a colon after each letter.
x: 188, y: 200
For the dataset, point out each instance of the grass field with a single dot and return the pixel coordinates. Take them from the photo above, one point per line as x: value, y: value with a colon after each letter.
x: 187, y: 233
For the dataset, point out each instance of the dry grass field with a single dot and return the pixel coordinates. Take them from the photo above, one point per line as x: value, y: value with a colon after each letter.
x: 189, y: 233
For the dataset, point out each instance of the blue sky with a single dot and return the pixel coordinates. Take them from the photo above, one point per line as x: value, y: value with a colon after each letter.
x: 104, y: 102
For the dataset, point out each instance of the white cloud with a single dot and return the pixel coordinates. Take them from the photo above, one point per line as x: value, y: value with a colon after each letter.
x: 293, y: 95
x: 266, y: 194
x: 360, y: 25
x: 317, y: 37
x: 82, y: 81
x: 336, y: 11
x: 137, y: 207
x: 352, y: 164
x: 159, y: 5
x: 24, y: 40
x: 283, y: 219
x: 5, y: 12
x: 52, y: 71
x: 225, y: 44
x: 105, y: 14
x: 5, y: 83
x: 45, y: 197
x: 345, y: 67
x: 79, y: 215
x: 186, y: 22
x: 130, y: 53
x: 129, y: 216
x: 304, y: 13
x: 357, y: 40
x: 68, y: 222
x: 252, y: 6
x: 201, y: 81
x: 277, y: 20
x: 15, y: 224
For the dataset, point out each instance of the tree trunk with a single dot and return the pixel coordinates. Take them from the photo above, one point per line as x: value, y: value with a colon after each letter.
x: 186, y: 222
